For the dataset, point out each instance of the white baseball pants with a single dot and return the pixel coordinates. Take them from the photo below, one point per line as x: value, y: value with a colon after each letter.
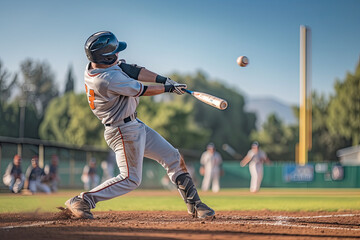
x: 256, y: 172
x: 211, y: 177
x: 131, y: 142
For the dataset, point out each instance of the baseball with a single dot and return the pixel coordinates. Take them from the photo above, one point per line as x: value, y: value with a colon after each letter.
x: 242, y: 61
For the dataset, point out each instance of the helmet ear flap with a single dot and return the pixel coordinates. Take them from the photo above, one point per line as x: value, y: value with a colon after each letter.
x: 101, y: 48
x: 111, y: 59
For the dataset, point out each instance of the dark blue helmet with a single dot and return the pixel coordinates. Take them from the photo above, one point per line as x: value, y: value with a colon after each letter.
x: 101, y: 47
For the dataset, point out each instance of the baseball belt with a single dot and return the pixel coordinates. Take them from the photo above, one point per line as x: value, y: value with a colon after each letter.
x: 125, y: 120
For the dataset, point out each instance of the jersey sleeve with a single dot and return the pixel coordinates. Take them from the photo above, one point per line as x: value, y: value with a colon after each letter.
x: 203, y: 159
x: 250, y: 154
x: 126, y: 86
x: 8, y: 169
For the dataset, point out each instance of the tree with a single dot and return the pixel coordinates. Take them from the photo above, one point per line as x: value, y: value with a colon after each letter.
x: 7, y: 113
x: 10, y: 121
x: 344, y: 108
x: 68, y: 119
x: 276, y: 139
x: 38, y: 86
x: 181, y: 120
x: 173, y: 120
x: 69, y: 87
x: 233, y: 125
x: 324, y: 144
x: 6, y: 86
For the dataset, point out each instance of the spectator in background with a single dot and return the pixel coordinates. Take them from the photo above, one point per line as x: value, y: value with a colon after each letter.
x: 51, y: 172
x: 211, y: 168
x: 14, y: 177
x: 256, y: 157
x: 89, y: 176
x: 108, y: 166
x: 36, y: 177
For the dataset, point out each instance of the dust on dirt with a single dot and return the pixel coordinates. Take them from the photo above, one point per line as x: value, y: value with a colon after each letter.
x: 178, y: 225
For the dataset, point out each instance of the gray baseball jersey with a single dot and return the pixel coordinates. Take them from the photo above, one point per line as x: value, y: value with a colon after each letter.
x: 117, y: 95
x: 114, y: 96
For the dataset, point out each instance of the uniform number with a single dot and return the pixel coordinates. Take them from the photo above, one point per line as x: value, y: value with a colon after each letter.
x: 91, y: 97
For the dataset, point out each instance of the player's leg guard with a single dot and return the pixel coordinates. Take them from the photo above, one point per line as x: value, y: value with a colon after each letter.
x: 191, y: 198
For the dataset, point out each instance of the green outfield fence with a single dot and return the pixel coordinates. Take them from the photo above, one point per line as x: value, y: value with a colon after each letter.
x: 73, y: 159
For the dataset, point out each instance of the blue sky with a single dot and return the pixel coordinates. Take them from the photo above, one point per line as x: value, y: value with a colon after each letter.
x: 185, y: 36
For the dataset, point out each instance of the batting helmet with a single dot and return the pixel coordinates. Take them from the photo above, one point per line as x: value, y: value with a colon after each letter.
x: 101, y: 47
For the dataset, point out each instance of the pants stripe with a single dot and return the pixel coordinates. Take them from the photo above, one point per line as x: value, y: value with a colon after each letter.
x: 127, y: 166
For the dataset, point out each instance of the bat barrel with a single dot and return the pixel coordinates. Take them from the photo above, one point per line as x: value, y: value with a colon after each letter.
x: 209, y: 99
x: 223, y: 105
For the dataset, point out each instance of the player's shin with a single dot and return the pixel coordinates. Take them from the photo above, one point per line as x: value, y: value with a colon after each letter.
x: 191, y: 197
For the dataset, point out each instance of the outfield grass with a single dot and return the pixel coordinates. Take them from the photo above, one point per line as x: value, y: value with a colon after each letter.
x: 228, y: 199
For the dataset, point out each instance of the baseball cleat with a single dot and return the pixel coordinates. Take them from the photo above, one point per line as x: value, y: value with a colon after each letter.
x: 79, y: 208
x: 203, y: 211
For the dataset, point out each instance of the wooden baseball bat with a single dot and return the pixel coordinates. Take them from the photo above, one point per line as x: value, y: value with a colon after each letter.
x: 209, y: 99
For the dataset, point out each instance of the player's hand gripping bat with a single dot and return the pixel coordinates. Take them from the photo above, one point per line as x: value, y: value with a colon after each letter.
x: 209, y: 99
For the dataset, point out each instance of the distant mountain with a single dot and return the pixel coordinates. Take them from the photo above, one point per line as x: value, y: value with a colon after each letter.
x: 263, y: 107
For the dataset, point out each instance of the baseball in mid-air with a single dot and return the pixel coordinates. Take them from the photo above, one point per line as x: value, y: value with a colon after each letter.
x: 242, y: 61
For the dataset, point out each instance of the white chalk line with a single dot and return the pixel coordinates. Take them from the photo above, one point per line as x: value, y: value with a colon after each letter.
x: 307, y: 217
x: 28, y: 225
x: 282, y: 221
x: 322, y: 216
x: 285, y: 224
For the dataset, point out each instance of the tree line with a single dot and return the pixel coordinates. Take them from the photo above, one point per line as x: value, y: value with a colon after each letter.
x: 32, y: 106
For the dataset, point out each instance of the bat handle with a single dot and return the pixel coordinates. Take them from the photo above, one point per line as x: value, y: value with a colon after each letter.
x: 187, y: 91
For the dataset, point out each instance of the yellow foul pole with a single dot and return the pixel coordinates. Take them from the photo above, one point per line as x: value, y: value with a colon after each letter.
x: 305, y: 131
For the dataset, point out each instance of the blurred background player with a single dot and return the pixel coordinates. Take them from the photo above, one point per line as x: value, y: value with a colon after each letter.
x: 256, y: 157
x: 211, y: 168
x: 36, y: 177
x: 89, y: 177
x: 14, y: 177
x: 108, y: 166
x: 51, y: 171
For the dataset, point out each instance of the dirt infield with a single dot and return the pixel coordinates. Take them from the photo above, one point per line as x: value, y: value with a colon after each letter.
x: 178, y: 225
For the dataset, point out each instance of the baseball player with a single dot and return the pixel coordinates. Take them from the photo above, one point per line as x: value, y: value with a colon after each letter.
x: 52, y: 174
x: 256, y: 157
x: 211, y: 162
x: 14, y: 177
x: 36, y: 177
x: 108, y: 166
x: 89, y: 177
x: 113, y: 90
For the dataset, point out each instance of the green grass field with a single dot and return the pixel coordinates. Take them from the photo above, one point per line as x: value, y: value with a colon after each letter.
x: 227, y: 199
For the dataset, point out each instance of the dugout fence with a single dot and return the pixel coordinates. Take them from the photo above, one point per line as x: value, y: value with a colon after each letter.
x: 73, y: 159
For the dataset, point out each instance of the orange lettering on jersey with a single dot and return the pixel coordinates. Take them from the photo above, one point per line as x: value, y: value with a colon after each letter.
x: 92, y: 99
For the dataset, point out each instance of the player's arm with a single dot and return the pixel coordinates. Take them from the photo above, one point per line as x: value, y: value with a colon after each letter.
x: 140, y: 73
x: 153, y: 90
x: 144, y: 75
x: 245, y: 161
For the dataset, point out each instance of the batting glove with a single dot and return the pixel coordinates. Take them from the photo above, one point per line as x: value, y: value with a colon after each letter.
x: 175, y: 84
x: 176, y: 88
x: 170, y: 82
